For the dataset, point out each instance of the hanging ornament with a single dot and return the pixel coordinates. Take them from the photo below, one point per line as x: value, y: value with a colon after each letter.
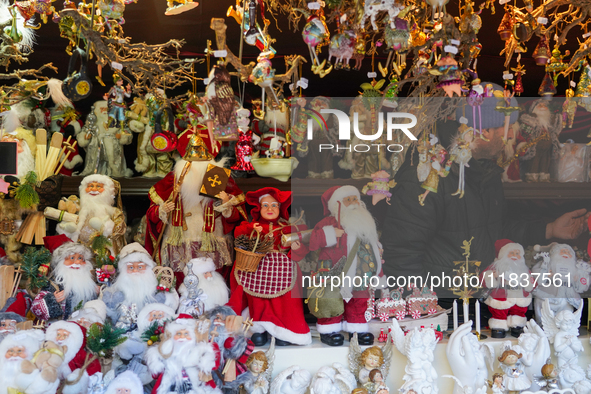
x: 569, y: 107
x: 244, y: 146
x: 505, y: 29
x: 469, y: 21
x: 584, y: 82
x: 315, y: 34
x: 519, y: 71
x: 175, y: 7
x: 542, y: 52
x: 556, y: 65
x: 260, y: 40
x: 547, y: 88
x: 342, y: 46
x: 450, y: 78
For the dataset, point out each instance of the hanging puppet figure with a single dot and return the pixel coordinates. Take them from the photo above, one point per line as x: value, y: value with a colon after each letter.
x: 461, y: 153
x: 116, y: 99
x: 437, y: 155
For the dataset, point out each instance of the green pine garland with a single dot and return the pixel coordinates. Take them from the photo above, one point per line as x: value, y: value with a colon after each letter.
x: 32, y: 260
x: 26, y: 195
x: 102, y: 339
x: 102, y: 254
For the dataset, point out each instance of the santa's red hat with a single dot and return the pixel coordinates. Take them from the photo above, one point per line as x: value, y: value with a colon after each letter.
x: 504, y: 246
x: 20, y: 305
x: 254, y: 199
x: 53, y: 242
x: 182, y: 322
x: 334, y: 195
x: 2, y: 253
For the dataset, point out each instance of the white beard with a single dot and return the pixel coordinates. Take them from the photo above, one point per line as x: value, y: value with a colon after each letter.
x: 556, y: 259
x: 192, y: 183
x: 357, y: 222
x: 25, y: 161
x: 77, y: 282
x: 216, y: 289
x: 95, y: 206
x: 138, y: 289
x: 508, y: 266
x: 10, y: 369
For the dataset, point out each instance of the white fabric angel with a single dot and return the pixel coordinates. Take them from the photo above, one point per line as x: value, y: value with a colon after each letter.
x: 361, y: 363
x: 418, y: 346
x: 335, y: 379
x: 562, y: 330
x: 469, y: 359
x: 293, y: 380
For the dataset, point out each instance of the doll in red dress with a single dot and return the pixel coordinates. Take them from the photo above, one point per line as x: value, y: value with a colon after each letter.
x: 272, y: 294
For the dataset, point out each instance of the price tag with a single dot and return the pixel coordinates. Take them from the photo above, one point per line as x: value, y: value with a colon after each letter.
x: 372, y: 74
x: 206, y: 81
x: 343, y: 18
x: 303, y: 83
x: 19, y: 337
x: 220, y: 53
x: 117, y: 66
x: 573, y: 84
x: 501, y: 2
x: 508, y: 76
x: 450, y: 49
x: 75, y: 314
x: 291, y: 86
x: 586, y: 35
x: 121, y: 41
x: 455, y: 42
x: 463, y: 120
x: 314, y: 5
x: 438, y: 15
x: 542, y: 20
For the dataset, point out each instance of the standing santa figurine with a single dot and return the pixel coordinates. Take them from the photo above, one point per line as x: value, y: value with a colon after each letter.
x: 272, y: 292
x: 347, y: 239
x: 14, y: 349
x: 508, y: 300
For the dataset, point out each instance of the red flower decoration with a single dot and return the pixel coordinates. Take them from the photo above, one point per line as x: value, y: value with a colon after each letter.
x: 111, y: 258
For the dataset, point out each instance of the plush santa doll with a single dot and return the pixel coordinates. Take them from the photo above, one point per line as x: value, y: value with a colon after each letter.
x: 194, y: 225
x: 92, y: 312
x: 73, y: 336
x: 135, y: 286
x: 348, y: 229
x: 98, y: 213
x: 14, y: 311
x: 71, y: 265
x: 13, y: 350
x: 210, y: 289
x: 125, y: 383
x: 272, y: 293
x: 235, y: 347
x: 180, y: 363
x: 567, y: 279
x: 508, y: 300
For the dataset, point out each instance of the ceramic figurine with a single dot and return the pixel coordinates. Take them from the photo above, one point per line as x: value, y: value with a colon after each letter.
x: 293, y: 380
x: 534, y: 347
x: 116, y: 103
x: 256, y: 379
x: 515, y: 379
x: 549, y: 378
x: 498, y: 386
x: 361, y: 363
x: 333, y: 379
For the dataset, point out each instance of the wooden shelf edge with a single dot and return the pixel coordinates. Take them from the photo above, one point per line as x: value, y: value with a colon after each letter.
x: 315, y: 187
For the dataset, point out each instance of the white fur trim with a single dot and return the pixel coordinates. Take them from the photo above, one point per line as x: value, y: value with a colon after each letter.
x: 134, y: 258
x: 329, y: 328
x: 202, y: 356
x: 509, y: 247
x: 108, y: 228
x: 172, y: 299
x: 79, y: 388
x: 263, y: 196
x: 202, y: 265
x: 283, y: 333
x: 497, y: 324
x: 20, y: 338
x: 142, y: 318
x: 74, y: 341
x: 73, y: 162
x: 355, y: 327
x: 339, y: 194
x: 330, y: 235
x: 154, y: 360
x: 525, y: 301
x: 498, y: 304
x: 127, y: 380
x: 516, y: 321
x: 108, y: 183
x: 181, y: 324
x: 99, y: 306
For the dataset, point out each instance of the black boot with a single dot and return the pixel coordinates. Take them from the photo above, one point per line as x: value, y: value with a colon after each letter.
x: 516, y: 331
x: 497, y: 333
x: 363, y: 338
x: 333, y: 339
x: 280, y: 342
x: 259, y: 338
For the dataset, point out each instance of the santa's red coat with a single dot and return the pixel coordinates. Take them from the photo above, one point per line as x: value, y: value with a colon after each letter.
x: 80, y: 358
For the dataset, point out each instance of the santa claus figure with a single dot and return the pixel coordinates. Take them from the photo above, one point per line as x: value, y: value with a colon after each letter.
x: 180, y: 363
x: 125, y: 383
x: 14, y: 311
x: 13, y: 350
x: 235, y: 347
x: 539, y: 128
x: 135, y: 286
x: 26, y: 149
x: 509, y: 299
x: 566, y: 280
x: 272, y: 293
x: 73, y: 336
x: 209, y: 288
x: 92, y: 312
x: 194, y: 225
x: 271, y: 130
x: 348, y: 233
x: 71, y: 265
x: 98, y: 215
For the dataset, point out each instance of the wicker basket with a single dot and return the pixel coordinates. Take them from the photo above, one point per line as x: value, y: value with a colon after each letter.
x: 246, y: 260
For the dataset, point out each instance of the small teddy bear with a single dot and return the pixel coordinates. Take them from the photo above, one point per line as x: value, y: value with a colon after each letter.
x: 48, y: 359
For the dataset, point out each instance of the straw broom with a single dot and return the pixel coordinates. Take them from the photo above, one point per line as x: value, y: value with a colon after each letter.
x: 41, y: 139
x: 52, y: 159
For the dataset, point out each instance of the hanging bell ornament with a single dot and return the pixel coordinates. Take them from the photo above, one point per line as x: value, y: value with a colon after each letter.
x: 542, y: 52
x: 547, y: 88
x: 505, y: 29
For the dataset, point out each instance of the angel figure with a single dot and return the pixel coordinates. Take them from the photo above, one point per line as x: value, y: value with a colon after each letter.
x: 549, y: 379
x: 258, y: 375
x: 469, y: 359
x: 535, y: 348
x: 376, y: 382
x: 497, y: 385
x: 562, y: 329
x: 334, y: 379
x: 418, y: 346
x: 361, y: 363
x: 461, y: 153
x: 515, y: 379
x: 465, y: 389
x: 439, y: 168
x: 293, y: 380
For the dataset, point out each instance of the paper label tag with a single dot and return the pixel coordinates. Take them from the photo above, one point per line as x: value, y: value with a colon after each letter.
x: 291, y: 86
x: 372, y: 74
x: 450, y: 49
x: 117, y: 66
x: 501, y: 2
x: 121, y: 41
x: 19, y: 337
x: 343, y: 18
x: 542, y: 20
x: 206, y: 81
x: 508, y: 76
x: 302, y: 83
x: 314, y: 5
x: 463, y: 120
x: 438, y: 15
x: 74, y: 314
x: 220, y: 53
x: 573, y: 84
x: 586, y: 35
x: 455, y: 42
